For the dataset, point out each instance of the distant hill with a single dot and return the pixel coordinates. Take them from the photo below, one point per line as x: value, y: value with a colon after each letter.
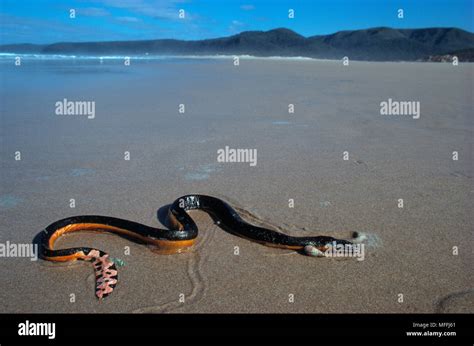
x: 21, y: 48
x: 382, y: 44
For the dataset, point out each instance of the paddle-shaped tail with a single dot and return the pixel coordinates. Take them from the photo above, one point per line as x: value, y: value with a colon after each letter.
x: 106, y: 275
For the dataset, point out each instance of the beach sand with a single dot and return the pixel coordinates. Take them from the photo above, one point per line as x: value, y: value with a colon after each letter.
x: 409, y: 250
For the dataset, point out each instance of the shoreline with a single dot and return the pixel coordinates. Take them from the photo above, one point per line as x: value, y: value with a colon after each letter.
x: 144, y: 57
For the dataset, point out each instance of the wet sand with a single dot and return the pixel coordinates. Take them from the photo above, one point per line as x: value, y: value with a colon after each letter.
x: 300, y: 156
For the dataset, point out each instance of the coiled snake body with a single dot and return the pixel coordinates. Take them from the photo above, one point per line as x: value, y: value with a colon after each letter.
x: 182, y: 235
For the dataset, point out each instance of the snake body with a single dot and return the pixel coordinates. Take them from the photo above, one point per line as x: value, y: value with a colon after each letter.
x: 181, y: 236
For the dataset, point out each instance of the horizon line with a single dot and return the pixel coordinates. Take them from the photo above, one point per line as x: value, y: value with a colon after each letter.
x: 217, y: 37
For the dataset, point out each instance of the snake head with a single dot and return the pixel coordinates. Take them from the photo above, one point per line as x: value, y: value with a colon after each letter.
x: 322, y: 245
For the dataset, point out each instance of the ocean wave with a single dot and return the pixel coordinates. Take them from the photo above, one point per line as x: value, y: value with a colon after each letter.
x: 35, y: 56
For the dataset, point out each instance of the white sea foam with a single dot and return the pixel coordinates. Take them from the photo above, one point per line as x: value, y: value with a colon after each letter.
x: 34, y: 56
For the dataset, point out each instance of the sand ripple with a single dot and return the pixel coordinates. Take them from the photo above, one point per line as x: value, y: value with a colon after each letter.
x: 198, y: 279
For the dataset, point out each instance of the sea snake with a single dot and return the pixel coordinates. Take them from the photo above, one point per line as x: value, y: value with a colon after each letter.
x: 182, y: 235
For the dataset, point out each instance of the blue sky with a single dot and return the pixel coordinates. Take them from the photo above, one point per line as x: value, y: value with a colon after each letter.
x: 47, y: 21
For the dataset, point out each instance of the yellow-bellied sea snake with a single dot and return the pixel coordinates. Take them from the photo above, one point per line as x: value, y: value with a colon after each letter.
x: 182, y: 235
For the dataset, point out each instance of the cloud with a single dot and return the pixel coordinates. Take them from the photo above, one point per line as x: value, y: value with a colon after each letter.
x: 236, y: 26
x: 17, y: 29
x: 247, y: 7
x: 159, y: 9
x: 92, y: 12
x: 128, y: 19
x: 119, y: 20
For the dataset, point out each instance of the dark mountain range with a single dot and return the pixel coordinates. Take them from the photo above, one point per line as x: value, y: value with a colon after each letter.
x: 382, y: 44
